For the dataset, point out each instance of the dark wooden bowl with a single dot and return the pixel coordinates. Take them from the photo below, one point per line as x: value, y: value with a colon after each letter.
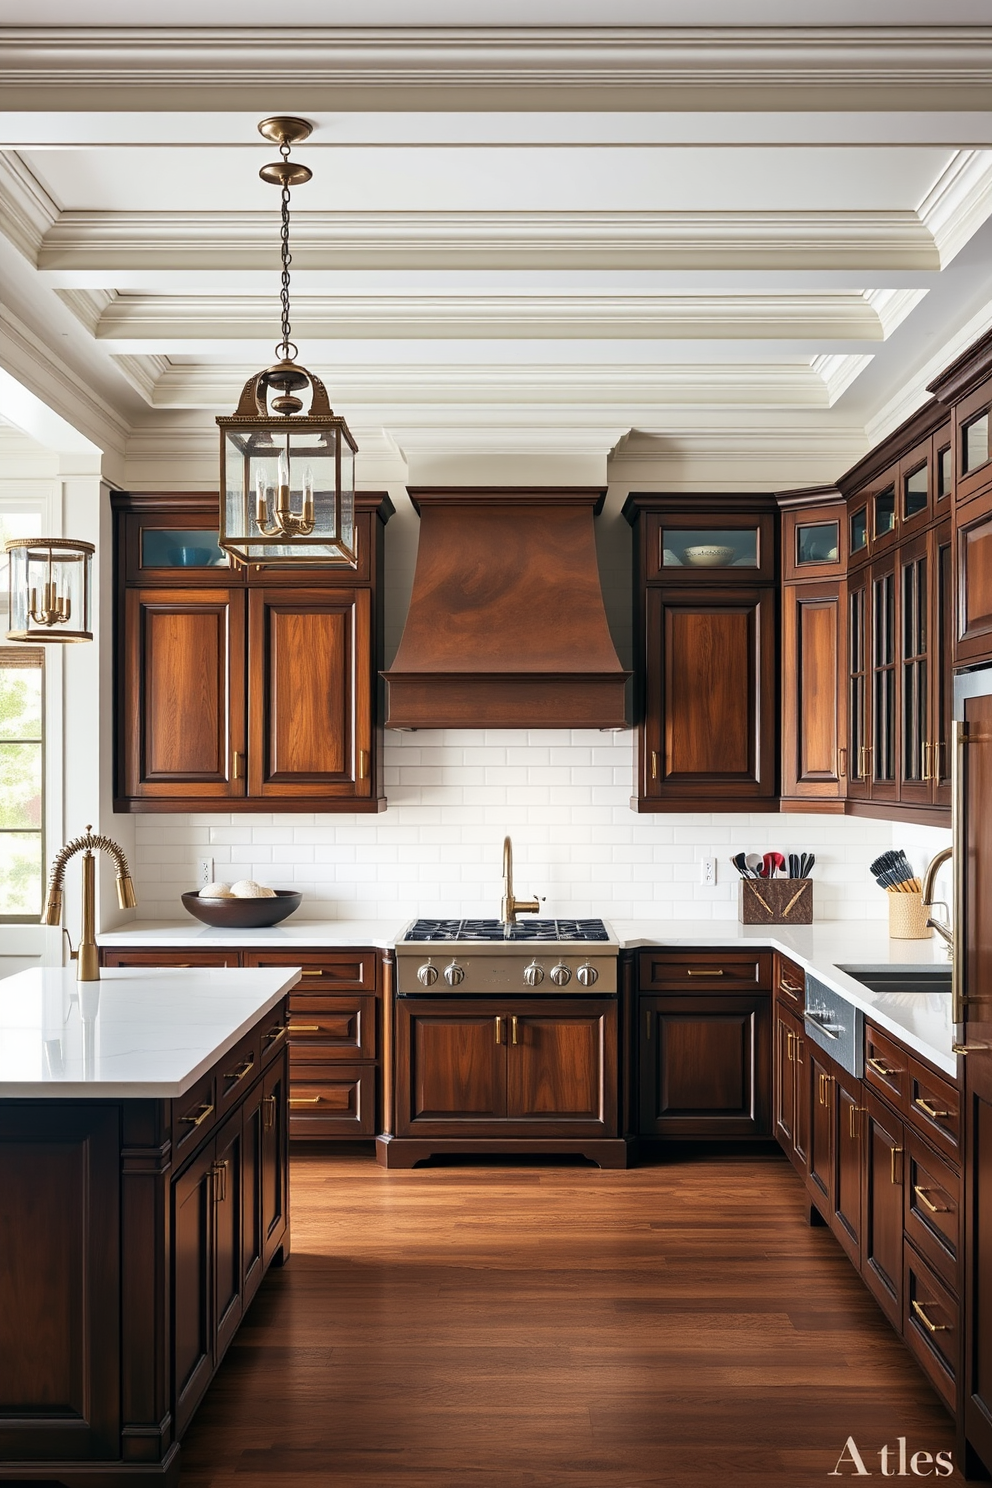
x: 243, y: 914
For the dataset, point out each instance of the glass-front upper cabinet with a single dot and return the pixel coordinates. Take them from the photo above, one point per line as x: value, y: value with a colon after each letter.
x: 688, y: 539
x: 975, y: 443
x: 181, y: 547
x: 915, y: 492
x: 883, y: 512
x: 882, y: 753
x: 943, y: 463
x: 859, y: 531
x: 814, y: 536
x: 709, y: 547
x: 171, y: 539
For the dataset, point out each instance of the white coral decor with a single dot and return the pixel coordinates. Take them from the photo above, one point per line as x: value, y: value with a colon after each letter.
x: 247, y: 888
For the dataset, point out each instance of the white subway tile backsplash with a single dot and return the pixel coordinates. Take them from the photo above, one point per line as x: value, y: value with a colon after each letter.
x: 563, y: 796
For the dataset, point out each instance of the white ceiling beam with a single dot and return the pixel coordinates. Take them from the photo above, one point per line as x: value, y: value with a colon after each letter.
x: 653, y: 68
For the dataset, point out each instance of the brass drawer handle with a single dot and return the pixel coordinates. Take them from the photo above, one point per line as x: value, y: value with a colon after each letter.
x: 853, y: 1112
x: 239, y: 768
x: 894, y: 1152
x: 921, y: 1194
x: 930, y: 1327
x: 304, y: 1028
x: 305, y: 1100
x: 311, y: 973
x: 930, y: 1110
x: 499, y: 1028
x: 275, y: 1033
x: 789, y: 1041
x: 882, y: 1069
x: 242, y: 1070
x: 928, y: 770
x: 691, y: 972
x: 825, y: 1083
x: 654, y: 764
x: 793, y: 991
x: 363, y: 764
x: 799, y: 1043
x: 268, y: 1112
x: 969, y: 1048
x: 514, y: 1029
x: 219, y: 1170
x: 198, y: 1119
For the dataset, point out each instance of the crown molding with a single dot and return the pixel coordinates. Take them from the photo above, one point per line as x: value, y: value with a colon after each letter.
x: 893, y: 305
x: 838, y: 371
x: 36, y: 367
x: 959, y: 202
x: 146, y: 373
x: 195, y: 319
x: 27, y: 212
x: 677, y: 68
x: 87, y: 305
x: 914, y: 393
x: 95, y: 242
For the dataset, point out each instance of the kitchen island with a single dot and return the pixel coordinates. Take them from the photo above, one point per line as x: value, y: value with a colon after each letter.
x: 143, y: 1167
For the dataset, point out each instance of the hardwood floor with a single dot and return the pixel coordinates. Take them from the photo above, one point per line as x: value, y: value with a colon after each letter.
x: 557, y: 1327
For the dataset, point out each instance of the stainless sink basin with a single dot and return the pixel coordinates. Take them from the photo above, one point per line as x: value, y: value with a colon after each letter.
x: 901, y: 978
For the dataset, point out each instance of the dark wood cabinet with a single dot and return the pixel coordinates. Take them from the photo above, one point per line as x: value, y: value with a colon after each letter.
x: 706, y: 629
x: 885, y: 1168
x: 790, y: 1097
x: 515, y: 1067
x: 705, y: 1065
x: 814, y: 696
x: 822, y: 1127
x: 252, y: 686
x: 846, y: 1218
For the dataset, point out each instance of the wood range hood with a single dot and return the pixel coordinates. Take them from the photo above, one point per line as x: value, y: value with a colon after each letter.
x: 507, y: 626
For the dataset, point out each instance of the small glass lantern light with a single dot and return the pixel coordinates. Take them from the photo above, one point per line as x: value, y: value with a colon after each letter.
x: 51, y: 589
x: 287, y: 475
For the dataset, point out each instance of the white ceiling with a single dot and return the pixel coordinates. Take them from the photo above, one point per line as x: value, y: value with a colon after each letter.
x: 658, y: 229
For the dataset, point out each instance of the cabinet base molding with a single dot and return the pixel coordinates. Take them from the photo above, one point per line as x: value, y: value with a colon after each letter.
x: 406, y: 1152
x: 354, y: 806
x: 164, y: 1474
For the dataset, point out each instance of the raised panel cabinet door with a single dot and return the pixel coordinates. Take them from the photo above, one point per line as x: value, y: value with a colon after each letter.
x: 943, y: 682
x: 192, y: 1285
x: 450, y: 1065
x: 858, y: 687
x: 848, y: 1155
x: 803, y: 1084
x: 275, y: 1159
x: 709, y: 734
x: 561, y: 1067
x: 705, y: 1066
x: 251, y: 1193
x: 60, y: 1265
x: 182, y: 714
x: 822, y: 1097
x: 883, y: 1201
x: 814, y: 692
x: 885, y: 688
x: 310, y: 692
x: 784, y: 1082
x: 917, y: 666
x: 227, y: 1173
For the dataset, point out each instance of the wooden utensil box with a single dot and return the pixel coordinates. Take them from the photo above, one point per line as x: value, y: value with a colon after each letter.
x: 775, y: 901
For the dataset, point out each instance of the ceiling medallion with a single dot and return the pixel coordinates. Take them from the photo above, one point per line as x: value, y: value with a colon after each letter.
x: 287, y: 476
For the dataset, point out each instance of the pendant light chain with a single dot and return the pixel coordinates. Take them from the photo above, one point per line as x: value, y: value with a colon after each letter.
x: 283, y: 349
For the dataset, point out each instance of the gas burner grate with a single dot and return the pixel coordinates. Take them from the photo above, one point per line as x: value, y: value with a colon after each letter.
x: 490, y: 930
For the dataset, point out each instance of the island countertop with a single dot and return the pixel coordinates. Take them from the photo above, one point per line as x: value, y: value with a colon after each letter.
x: 134, y: 1034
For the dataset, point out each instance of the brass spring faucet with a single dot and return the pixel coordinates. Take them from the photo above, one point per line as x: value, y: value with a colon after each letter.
x: 86, y: 957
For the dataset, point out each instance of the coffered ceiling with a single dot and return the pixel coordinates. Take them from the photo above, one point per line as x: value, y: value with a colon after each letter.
x: 672, y: 218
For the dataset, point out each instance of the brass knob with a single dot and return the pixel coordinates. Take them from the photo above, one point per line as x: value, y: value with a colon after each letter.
x: 427, y: 974
x: 454, y: 974
x: 587, y: 974
x: 533, y: 974
x: 560, y: 974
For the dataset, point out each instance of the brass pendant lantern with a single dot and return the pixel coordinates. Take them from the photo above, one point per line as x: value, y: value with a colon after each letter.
x: 51, y: 589
x: 287, y: 476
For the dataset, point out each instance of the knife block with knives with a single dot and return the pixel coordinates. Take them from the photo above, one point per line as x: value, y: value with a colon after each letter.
x: 775, y: 901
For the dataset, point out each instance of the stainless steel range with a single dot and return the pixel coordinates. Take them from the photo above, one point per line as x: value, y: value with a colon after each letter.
x: 475, y: 957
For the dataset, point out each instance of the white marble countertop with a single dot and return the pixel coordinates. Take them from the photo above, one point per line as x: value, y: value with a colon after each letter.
x: 190, y: 934
x: 132, y: 1034
x: 921, y: 1020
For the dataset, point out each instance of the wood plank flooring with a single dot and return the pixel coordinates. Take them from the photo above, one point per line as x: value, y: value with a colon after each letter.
x: 543, y: 1326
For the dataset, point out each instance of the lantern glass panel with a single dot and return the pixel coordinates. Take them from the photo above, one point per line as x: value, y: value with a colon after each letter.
x: 281, y: 480
x: 51, y: 586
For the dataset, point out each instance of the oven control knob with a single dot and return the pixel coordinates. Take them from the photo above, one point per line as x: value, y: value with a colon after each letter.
x: 454, y: 974
x: 427, y: 974
x: 560, y: 974
x: 587, y: 974
x: 533, y: 974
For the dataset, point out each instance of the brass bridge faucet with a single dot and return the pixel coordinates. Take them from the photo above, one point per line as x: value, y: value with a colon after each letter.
x: 86, y: 957
x: 511, y: 907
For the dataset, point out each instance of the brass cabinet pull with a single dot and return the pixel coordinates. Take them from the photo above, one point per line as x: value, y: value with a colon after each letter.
x: 514, y: 1029
x: 304, y: 1027
x: 499, y: 1028
x: 882, y: 1069
x: 928, y: 770
x: 799, y: 1044
x: 825, y: 1083
x: 930, y: 1110
x: 789, y: 1039
x: 842, y: 763
x: 790, y: 988
x: 311, y: 973
x: 363, y: 764
x: 921, y: 1194
x: 268, y: 1112
x: 894, y: 1152
x: 199, y: 1118
x: 969, y: 1048
x: 853, y: 1112
x: 219, y: 1170
x: 691, y: 972
x: 274, y: 1033
x: 242, y: 1069
x: 647, y: 1023
x: 305, y: 1100
x: 238, y: 767
x: 930, y: 1327
x: 654, y: 764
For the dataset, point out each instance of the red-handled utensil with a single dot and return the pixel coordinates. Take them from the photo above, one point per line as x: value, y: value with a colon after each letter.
x: 772, y: 863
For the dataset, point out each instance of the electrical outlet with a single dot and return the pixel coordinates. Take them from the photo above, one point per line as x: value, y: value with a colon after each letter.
x: 707, y: 873
x: 204, y: 872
